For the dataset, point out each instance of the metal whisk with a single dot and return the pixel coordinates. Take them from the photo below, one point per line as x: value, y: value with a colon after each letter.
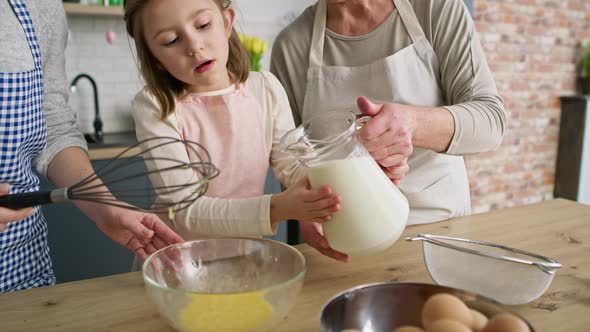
x: 121, y: 180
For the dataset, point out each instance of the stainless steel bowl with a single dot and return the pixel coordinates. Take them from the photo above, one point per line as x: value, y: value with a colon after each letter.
x: 386, y: 306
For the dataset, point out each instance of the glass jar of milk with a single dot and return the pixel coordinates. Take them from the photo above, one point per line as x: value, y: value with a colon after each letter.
x: 373, y: 211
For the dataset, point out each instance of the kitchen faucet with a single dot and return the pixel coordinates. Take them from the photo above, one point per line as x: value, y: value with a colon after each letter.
x: 98, y: 134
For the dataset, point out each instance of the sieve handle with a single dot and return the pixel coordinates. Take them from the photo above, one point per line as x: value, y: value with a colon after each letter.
x: 548, y: 266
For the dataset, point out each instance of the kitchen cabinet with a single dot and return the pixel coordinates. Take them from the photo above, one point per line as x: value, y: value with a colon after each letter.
x: 572, y: 171
x: 79, y: 250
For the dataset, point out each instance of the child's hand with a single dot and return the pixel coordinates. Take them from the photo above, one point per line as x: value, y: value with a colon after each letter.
x: 313, y: 234
x: 302, y: 203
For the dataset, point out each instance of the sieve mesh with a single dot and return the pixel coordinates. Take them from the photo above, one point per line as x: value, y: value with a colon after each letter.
x: 487, y: 269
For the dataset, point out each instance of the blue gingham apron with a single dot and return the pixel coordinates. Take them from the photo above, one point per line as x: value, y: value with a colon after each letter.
x: 24, y: 253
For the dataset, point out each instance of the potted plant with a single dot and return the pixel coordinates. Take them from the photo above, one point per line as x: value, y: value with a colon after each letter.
x: 255, y: 48
x: 584, y: 79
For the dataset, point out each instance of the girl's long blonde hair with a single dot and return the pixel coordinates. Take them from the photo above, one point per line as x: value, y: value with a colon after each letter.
x: 165, y: 87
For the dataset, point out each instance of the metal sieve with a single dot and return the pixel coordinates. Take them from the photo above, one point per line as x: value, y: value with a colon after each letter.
x: 507, y: 275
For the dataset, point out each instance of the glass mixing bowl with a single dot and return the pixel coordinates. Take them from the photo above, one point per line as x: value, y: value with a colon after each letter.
x: 224, y: 284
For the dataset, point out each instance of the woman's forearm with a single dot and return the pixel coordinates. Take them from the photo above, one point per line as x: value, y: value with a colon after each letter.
x: 434, y: 128
x: 70, y: 166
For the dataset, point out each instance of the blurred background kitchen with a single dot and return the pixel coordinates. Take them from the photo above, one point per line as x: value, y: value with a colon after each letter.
x: 533, y: 47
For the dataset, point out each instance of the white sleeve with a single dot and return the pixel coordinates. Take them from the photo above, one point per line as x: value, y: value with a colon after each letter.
x: 286, y: 168
x: 207, y: 216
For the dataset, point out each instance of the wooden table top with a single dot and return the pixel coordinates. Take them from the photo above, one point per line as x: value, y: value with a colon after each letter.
x: 559, y: 229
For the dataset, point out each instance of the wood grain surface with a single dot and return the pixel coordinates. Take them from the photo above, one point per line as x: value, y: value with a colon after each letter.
x: 559, y: 229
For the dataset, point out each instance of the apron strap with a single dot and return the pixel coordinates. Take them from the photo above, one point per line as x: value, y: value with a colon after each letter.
x: 316, y: 52
x: 406, y: 13
x: 24, y: 17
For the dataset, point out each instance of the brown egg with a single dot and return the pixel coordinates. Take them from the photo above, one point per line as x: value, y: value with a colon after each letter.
x: 479, y: 320
x: 447, y: 325
x: 350, y: 330
x: 408, y: 329
x: 445, y: 306
x: 506, y: 323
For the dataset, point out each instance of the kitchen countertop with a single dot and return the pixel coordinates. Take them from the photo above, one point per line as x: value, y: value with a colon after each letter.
x: 112, y: 145
x: 559, y: 229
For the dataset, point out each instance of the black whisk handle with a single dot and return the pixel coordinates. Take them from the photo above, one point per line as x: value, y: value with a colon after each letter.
x: 24, y: 200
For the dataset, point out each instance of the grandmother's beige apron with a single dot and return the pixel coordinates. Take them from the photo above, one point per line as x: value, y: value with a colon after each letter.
x: 436, y: 185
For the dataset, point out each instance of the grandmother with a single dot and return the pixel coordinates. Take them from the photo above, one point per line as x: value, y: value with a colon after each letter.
x: 416, y: 67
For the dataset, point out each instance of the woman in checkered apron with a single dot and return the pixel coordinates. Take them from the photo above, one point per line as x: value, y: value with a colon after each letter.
x: 24, y: 254
x: 41, y: 133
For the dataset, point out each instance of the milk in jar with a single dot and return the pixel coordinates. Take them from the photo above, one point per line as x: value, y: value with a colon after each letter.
x: 374, y: 212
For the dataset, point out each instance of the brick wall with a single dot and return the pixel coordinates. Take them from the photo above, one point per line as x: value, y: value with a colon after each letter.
x: 530, y: 46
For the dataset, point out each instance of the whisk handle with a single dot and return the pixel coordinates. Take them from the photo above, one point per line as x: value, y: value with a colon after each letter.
x: 24, y: 200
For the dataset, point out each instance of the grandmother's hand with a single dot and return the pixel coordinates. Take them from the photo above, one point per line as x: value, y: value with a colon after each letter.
x: 388, y: 136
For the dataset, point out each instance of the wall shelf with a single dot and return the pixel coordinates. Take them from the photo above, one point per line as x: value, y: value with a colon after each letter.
x: 94, y: 10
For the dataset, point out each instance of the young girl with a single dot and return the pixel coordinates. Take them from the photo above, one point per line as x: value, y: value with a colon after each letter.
x: 199, y: 88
